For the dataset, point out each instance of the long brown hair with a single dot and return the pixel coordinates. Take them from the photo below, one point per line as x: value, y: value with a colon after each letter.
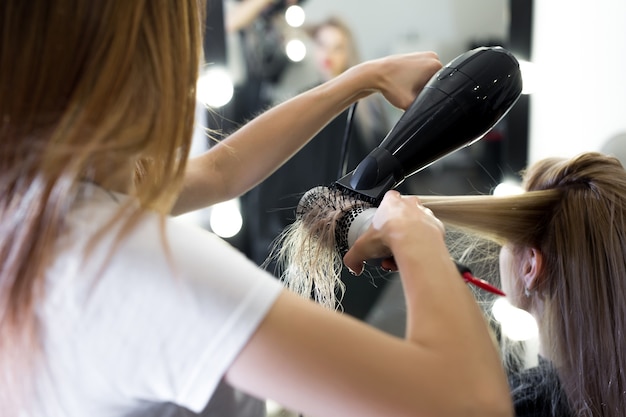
x: 86, y: 87
x: 574, y: 212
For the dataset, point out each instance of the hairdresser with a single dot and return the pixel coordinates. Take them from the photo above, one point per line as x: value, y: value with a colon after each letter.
x: 110, y: 308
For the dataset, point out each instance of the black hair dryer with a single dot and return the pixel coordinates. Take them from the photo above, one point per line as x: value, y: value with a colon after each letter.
x: 457, y: 107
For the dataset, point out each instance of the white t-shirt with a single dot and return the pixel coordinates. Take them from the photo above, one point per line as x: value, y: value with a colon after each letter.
x: 129, y: 330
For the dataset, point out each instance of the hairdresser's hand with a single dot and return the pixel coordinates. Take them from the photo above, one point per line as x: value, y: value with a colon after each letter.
x: 399, y: 78
x: 401, y: 223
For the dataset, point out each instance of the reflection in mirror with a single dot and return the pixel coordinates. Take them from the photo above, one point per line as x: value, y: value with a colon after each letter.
x: 448, y: 27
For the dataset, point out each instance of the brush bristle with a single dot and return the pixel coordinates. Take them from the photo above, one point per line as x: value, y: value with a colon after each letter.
x: 310, y: 251
x: 350, y: 193
x: 328, y: 200
x: 322, y: 206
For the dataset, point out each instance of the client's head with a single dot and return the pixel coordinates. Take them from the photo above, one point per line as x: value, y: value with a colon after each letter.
x: 563, y: 259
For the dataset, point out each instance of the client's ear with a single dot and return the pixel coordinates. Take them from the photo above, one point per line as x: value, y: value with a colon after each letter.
x: 531, y: 267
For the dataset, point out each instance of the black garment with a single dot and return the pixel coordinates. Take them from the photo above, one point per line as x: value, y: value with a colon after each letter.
x: 270, y: 207
x: 537, y: 392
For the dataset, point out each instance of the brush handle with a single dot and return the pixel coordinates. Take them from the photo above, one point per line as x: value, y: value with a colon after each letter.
x: 351, y: 226
x: 357, y: 223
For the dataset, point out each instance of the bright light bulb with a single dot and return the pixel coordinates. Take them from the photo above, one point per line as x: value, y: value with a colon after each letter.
x: 516, y: 324
x: 508, y: 188
x: 215, y: 87
x: 294, y: 15
x: 296, y: 50
x: 226, y: 220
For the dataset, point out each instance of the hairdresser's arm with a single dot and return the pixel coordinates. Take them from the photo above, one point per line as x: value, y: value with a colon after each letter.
x: 256, y: 150
x: 240, y: 14
x: 326, y: 364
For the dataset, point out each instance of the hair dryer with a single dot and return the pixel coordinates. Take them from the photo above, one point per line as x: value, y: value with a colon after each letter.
x: 457, y: 107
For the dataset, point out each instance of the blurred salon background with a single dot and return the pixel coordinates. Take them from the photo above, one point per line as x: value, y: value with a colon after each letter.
x: 261, y: 52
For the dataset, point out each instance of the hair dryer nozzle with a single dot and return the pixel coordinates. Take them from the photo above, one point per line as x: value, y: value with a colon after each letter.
x: 457, y: 107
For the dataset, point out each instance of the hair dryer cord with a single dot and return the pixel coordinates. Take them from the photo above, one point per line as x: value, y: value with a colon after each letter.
x: 343, y: 158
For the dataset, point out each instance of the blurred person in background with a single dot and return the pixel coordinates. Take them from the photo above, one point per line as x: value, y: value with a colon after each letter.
x: 335, y: 50
x: 255, y: 53
x: 269, y: 207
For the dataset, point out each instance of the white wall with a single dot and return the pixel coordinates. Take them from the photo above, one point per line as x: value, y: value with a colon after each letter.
x: 396, y: 26
x: 579, y: 49
x: 446, y: 26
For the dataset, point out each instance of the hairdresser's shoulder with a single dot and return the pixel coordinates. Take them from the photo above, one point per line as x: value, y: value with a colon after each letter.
x: 152, y: 244
x: 147, y: 239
